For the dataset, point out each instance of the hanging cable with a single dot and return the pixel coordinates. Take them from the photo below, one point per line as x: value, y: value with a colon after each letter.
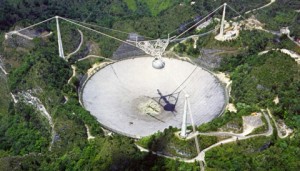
x: 83, y: 23
x: 99, y: 32
x: 198, y: 22
x: 236, y: 12
x: 177, y: 29
x: 102, y: 27
x: 197, y: 35
x: 35, y: 24
x: 185, y: 79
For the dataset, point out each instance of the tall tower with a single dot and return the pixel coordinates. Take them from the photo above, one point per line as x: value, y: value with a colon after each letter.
x: 60, y: 46
x: 184, y: 118
x: 222, y: 22
x: 220, y: 36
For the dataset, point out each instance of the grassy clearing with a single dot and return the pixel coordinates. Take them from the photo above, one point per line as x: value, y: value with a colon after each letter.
x: 154, y: 6
x: 131, y: 4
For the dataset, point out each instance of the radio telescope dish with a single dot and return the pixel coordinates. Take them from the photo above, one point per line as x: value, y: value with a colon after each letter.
x: 132, y: 98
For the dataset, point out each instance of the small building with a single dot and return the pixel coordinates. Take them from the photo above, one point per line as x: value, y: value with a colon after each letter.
x: 285, y: 31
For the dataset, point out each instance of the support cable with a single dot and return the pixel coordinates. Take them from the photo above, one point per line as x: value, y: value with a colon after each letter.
x: 236, y: 12
x: 194, y: 131
x: 186, y: 24
x: 198, y: 22
x: 196, y: 35
x: 185, y: 80
x: 99, y: 32
x: 35, y: 24
x: 106, y: 28
x: 177, y: 28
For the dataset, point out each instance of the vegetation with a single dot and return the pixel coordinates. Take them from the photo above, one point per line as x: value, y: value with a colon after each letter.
x: 247, y: 41
x: 25, y: 135
x: 240, y: 154
x: 23, y: 131
x: 206, y: 141
x: 187, y: 48
x: 260, y: 78
x: 4, y: 93
x: 243, y: 110
x: 83, y: 66
x: 169, y: 144
x: 154, y: 6
x: 255, y: 154
x: 257, y: 80
x: 281, y: 14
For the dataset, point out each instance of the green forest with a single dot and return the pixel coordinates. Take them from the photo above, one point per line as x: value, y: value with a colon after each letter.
x: 27, y: 141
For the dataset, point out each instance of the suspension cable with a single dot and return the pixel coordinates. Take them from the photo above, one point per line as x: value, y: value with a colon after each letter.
x: 93, y: 25
x: 77, y: 23
x: 196, y: 35
x: 99, y: 32
x: 126, y: 42
x: 185, y: 79
x: 236, y: 12
x: 177, y: 29
x: 35, y: 24
x: 198, y: 22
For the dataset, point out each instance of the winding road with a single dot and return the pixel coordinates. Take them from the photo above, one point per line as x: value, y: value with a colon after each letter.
x: 264, y: 6
x: 277, y: 127
x: 234, y: 137
x: 79, y: 46
x: 73, y: 73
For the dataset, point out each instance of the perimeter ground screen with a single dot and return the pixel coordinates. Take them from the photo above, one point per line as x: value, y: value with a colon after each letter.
x: 132, y: 98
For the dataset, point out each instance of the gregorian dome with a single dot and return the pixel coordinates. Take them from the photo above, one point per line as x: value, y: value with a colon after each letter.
x: 158, y: 63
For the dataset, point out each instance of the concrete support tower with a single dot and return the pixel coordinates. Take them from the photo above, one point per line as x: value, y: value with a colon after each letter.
x: 60, y: 46
x: 220, y: 36
x: 183, y: 133
x: 222, y: 21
